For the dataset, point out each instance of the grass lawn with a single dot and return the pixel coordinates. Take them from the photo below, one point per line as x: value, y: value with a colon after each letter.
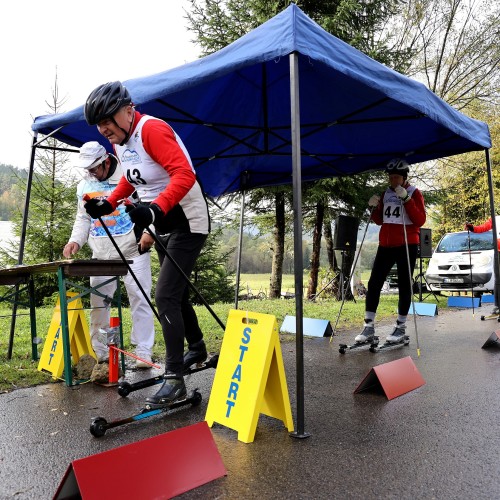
x: 21, y: 370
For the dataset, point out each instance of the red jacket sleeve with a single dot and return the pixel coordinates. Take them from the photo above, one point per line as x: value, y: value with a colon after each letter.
x: 121, y: 192
x: 415, y: 208
x: 160, y: 143
x: 482, y: 228
x: 377, y: 214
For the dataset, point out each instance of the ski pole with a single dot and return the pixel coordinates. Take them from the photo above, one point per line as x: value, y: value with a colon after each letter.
x: 131, y: 205
x: 188, y: 281
x: 352, y: 270
x: 117, y: 248
x: 470, y: 265
x: 410, y: 278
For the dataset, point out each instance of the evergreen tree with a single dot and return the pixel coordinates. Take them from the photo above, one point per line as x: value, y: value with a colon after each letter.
x: 50, y: 213
x: 211, y: 276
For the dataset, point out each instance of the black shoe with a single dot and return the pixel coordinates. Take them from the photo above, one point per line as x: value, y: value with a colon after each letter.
x: 197, y: 354
x: 172, y: 389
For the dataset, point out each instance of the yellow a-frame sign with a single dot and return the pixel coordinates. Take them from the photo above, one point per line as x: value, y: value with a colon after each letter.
x: 52, y: 358
x: 250, y: 376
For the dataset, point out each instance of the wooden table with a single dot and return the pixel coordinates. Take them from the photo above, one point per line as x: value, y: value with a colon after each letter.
x: 23, y: 276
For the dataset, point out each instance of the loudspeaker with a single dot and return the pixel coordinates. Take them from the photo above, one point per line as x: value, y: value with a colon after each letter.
x: 346, y: 233
x: 425, y: 247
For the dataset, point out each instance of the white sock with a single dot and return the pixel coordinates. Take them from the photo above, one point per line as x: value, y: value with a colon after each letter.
x: 401, y: 322
x: 369, y: 318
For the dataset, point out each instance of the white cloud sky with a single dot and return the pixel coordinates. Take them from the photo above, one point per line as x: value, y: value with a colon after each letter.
x: 87, y: 42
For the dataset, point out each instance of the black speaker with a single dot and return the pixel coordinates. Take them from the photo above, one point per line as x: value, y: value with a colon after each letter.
x: 425, y: 247
x: 346, y: 233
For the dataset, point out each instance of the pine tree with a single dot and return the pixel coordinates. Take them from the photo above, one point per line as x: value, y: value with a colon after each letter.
x: 50, y: 212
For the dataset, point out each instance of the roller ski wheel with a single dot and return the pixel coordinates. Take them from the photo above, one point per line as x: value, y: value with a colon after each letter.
x: 343, y: 348
x: 98, y: 427
x: 196, y: 398
x: 124, y: 389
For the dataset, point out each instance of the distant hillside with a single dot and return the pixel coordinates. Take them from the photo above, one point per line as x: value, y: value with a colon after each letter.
x: 9, y: 177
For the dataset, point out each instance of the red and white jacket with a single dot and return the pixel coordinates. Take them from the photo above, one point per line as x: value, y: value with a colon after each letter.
x: 156, y: 164
x: 394, y: 216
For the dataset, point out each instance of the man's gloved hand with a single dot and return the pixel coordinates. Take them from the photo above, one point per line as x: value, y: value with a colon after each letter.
x: 373, y: 201
x: 144, y: 215
x: 97, y: 208
x: 402, y: 193
x: 469, y: 227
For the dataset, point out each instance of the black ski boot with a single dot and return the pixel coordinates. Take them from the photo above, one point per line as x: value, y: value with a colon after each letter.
x: 197, y: 353
x: 172, y: 389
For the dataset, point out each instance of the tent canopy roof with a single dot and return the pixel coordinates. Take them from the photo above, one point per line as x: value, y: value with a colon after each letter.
x: 232, y: 110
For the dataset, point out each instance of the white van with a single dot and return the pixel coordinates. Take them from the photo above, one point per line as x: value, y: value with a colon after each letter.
x: 450, y: 266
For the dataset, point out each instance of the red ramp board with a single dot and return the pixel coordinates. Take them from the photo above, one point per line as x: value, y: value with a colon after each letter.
x: 170, y: 464
x: 395, y: 378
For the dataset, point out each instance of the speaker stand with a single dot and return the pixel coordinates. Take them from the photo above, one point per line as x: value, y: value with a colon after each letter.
x: 342, y: 280
x: 342, y: 283
x: 421, y: 277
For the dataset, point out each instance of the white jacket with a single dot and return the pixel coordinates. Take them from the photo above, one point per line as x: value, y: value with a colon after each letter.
x: 88, y: 230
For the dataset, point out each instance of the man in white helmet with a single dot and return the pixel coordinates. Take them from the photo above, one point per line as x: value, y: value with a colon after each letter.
x: 100, y: 178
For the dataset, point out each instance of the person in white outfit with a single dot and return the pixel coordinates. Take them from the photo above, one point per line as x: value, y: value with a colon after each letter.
x: 100, y: 179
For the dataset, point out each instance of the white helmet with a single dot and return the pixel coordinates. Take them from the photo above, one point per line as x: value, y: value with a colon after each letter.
x: 91, y: 155
x: 397, y: 166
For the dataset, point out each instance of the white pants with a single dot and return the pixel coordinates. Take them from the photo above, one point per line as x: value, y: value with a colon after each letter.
x: 143, y: 332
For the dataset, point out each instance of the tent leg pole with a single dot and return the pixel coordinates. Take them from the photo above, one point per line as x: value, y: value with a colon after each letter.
x: 240, y: 244
x: 20, y: 255
x: 494, y: 228
x: 297, y: 241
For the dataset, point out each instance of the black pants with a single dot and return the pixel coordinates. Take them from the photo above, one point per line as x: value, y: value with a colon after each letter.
x: 385, y: 258
x: 177, y: 316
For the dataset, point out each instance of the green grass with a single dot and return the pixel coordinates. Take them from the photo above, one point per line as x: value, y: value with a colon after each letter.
x: 21, y: 371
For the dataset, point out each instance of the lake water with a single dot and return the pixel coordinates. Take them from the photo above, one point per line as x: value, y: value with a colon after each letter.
x: 6, y: 233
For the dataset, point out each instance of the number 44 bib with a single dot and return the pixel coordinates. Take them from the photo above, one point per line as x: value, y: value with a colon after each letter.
x: 393, y: 213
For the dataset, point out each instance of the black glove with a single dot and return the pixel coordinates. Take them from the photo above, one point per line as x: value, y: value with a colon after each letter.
x: 97, y: 208
x: 469, y: 227
x: 144, y: 215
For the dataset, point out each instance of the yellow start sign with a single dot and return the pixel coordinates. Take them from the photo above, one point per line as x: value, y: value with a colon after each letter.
x: 52, y: 357
x: 250, y: 377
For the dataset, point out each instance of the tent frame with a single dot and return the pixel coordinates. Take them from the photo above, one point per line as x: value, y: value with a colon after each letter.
x: 264, y: 70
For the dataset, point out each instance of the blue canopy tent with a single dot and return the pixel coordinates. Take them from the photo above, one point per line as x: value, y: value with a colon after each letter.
x: 288, y: 103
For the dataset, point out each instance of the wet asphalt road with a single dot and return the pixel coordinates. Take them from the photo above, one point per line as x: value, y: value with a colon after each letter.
x: 441, y: 440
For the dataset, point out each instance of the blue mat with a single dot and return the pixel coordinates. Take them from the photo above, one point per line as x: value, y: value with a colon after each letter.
x: 467, y: 302
x: 422, y: 309
x: 310, y: 326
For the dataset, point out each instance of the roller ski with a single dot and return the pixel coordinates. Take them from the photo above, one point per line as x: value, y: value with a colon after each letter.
x: 100, y: 425
x: 397, y: 338
x: 366, y: 338
x: 343, y: 348
x: 125, y: 388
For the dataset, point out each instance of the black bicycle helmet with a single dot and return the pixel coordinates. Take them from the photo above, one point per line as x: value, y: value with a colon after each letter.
x: 104, y: 101
x: 398, y: 166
